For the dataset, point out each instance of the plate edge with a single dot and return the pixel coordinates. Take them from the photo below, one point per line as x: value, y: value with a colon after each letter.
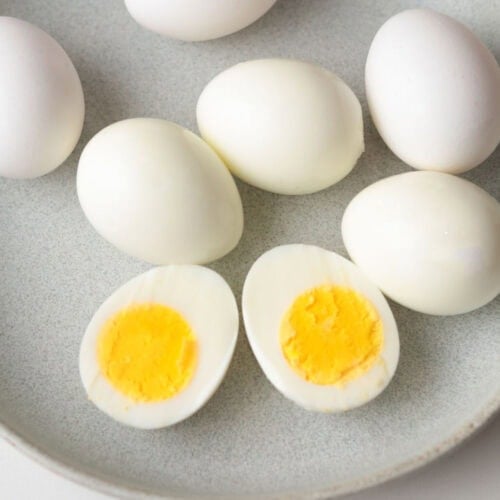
x: 90, y: 480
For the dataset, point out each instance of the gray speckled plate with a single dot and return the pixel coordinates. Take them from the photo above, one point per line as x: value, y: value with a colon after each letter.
x: 248, y: 440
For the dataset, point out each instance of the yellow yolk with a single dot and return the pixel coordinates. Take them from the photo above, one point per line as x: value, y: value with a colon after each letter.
x: 331, y: 335
x: 147, y: 352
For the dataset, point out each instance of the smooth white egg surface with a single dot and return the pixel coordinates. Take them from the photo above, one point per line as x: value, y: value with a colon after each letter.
x: 322, y: 333
x: 282, y: 125
x: 197, y: 20
x: 158, y: 348
x: 430, y: 241
x: 41, y: 101
x: 159, y: 193
x: 433, y: 91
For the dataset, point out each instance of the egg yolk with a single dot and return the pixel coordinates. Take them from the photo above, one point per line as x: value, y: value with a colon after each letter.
x: 331, y: 335
x: 147, y: 352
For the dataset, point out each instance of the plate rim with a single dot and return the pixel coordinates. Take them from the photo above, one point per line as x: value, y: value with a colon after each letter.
x: 106, y: 486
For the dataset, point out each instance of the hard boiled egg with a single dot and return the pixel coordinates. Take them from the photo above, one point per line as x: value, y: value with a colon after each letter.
x: 159, y: 193
x: 285, y: 126
x: 41, y: 101
x: 434, y: 92
x: 157, y: 349
x: 322, y: 333
x: 197, y: 20
x: 428, y: 240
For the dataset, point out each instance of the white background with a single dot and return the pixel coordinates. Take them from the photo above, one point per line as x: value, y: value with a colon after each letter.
x: 471, y: 472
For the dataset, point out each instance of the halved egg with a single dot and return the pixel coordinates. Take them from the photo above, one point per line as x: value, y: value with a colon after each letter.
x: 158, y: 348
x: 322, y: 333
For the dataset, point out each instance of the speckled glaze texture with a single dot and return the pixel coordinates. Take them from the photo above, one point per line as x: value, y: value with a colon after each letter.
x: 248, y: 440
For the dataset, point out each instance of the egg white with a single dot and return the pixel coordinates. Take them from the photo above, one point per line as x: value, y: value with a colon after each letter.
x: 283, y: 125
x: 428, y: 240
x: 275, y: 280
x: 433, y: 90
x: 41, y: 101
x: 197, y: 20
x: 157, y: 192
x: 207, y: 303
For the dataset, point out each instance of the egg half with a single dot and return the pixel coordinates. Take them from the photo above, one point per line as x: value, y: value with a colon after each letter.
x: 322, y: 333
x: 158, y: 348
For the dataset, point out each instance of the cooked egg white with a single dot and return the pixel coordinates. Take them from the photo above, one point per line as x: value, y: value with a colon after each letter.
x: 197, y: 20
x: 323, y: 334
x: 433, y: 90
x: 428, y: 240
x: 158, y: 347
x: 159, y: 193
x: 286, y: 126
x: 41, y: 101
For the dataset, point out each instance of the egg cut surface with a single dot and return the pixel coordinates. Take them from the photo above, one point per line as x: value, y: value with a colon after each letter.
x: 433, y: 90
x: 158, y: 348
x: 159, y: 193
x: 322, y: 333
x: 286, y: 126
x: 41, y: 101
x: 428, y: 240
x: 197, y: 20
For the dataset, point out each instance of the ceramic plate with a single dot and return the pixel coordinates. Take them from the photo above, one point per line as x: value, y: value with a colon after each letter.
x: 248, y: 440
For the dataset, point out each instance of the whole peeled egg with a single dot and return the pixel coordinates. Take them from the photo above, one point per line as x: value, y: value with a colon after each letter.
x: 285, y: 126
x: 197, y: 20
x: 41, y: 101
x: 159, y: 193
x: 428, y: 240
x: 322, y: 333
x: 433, y: 91
x: 157, y: 349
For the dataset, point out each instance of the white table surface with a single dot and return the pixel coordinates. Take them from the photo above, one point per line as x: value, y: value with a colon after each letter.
x: 470, y: 472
